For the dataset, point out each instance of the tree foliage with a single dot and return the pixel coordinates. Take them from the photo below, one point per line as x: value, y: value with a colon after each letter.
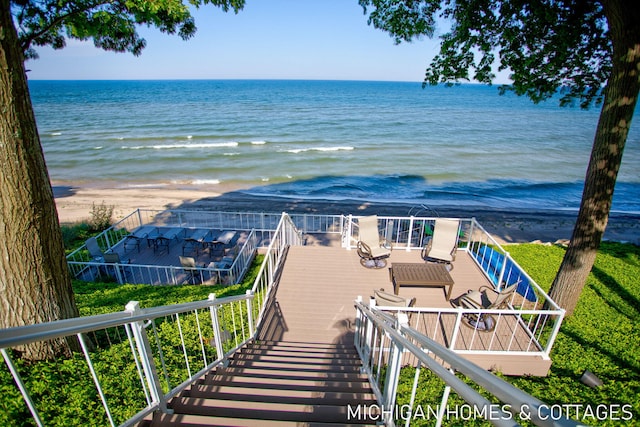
x: 112, y: 25
x: 548, y: 46
x: 586, y: 50
x: 35, y: 286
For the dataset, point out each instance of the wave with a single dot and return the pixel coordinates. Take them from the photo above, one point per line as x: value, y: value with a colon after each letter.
x: 414, y: 189
x: 258, y: 142
x: 180, y: 146
x: 205, y: 181
x: 323, y: 149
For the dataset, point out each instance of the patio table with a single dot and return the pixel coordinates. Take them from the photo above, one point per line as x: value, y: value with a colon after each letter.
x: 420, y: 274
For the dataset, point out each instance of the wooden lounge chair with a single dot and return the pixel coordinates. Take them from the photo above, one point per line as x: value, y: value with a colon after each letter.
x: 372, y: 249
x: 443, y: 245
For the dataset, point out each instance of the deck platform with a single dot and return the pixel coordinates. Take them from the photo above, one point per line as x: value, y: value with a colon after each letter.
x: 315, y: 297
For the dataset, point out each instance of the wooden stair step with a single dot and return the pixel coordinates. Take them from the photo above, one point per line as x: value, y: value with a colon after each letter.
x: 187, y: 420
x: 291, y: 383
x: 296, y: 351
x: 263, y: 410
x: 297, y: 360
x: 278, y: 394
x: 292, y: 366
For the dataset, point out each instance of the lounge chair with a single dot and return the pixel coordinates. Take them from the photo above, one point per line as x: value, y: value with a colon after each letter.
x: 385, y: 299
x: 372, y: 249
x: 485, y: 298
x: 191, y: 269
x: 94, y: 249
x: 444, y: 243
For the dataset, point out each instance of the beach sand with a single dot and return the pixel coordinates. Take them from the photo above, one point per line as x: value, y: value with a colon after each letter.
x: 74, y: 204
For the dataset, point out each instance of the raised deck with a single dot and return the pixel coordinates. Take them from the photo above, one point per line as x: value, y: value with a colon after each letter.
x: 319, y: 283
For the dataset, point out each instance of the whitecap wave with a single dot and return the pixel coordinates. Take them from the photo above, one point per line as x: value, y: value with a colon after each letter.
x: 55, y: 133
x: 182, y: 146
x: 205, y: 182
x: 258, y: 142
x: 323, y: 149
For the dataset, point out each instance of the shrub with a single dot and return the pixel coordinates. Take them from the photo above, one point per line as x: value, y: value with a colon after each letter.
x: 100, y: 216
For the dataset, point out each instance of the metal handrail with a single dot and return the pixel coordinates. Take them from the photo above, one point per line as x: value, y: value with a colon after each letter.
x: 135, y: 321
x: 424, y: 349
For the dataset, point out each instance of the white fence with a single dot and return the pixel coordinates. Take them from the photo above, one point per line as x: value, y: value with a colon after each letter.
x: 530, y: 325
x: 260, y: 227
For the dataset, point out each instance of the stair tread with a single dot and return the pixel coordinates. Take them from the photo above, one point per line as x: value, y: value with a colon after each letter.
x: 263, y: 410
x: 187, y: 420
x: 256, y: 372
x: 273, y: 394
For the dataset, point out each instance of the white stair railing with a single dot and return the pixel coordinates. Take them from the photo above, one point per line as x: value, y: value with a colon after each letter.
x: 384, y: 341
x: 167, y: 347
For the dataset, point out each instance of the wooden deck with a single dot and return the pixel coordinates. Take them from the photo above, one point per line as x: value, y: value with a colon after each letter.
x: 315, y: 303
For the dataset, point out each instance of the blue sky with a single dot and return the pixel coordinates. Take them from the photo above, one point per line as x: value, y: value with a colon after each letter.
x: 275, y: 39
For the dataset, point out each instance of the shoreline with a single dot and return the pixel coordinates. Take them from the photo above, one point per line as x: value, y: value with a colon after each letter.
x: 74, y: 205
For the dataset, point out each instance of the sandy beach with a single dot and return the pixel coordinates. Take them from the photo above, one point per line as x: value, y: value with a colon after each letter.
x: 74, y: 204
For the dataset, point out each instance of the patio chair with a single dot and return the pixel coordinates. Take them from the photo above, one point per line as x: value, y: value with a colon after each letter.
x: 372, y: 249
x: 485, y: 298
x: 444, y: 243
x: 385, y: 299
x: 114, y: 258
x: 94, y: 249
x: 190, y: 269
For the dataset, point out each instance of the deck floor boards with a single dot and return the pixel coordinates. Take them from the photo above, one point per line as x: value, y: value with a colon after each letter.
x: 320, y: 282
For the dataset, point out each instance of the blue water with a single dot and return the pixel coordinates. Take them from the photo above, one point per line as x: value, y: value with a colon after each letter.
x: 374, y: 141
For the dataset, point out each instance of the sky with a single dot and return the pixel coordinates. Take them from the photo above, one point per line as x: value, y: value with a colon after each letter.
x: 268, y: 39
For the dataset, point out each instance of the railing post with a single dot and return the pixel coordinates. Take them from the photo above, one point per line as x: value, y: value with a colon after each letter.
x: 21, y: 386
x: 391, y: 381
x: 146, y: 358
x: 249, y: 294
x: 217, y: 335
x: 471, y: 231
x: 456, y: 330
x: 502, y: 270
x: 410, y: 234
x: 346, y: 240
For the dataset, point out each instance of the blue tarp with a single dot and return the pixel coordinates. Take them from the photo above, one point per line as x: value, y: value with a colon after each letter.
x: 492, y: 261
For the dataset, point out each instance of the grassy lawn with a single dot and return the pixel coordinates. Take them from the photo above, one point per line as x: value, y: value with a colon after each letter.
x: 602, y: 336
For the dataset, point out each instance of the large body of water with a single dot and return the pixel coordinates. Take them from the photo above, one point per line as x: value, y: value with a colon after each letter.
x: 373, y: 141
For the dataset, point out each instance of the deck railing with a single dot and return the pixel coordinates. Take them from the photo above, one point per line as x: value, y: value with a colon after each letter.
x: 157, y: 352
x: 530, y: 325
x: 260, y: 225
x: 384, y: 341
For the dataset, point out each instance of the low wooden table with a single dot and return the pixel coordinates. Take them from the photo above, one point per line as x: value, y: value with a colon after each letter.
x: 420, y: 274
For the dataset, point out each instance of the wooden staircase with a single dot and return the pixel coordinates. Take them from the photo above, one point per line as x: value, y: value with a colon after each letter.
x: 277, y: 383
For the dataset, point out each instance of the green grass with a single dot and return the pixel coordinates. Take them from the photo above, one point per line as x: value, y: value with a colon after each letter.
x: 602, y: 336
x: 63, y: 389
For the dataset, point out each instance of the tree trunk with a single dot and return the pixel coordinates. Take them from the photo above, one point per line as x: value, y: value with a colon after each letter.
x: 621, y: 95
x: 35, y: 286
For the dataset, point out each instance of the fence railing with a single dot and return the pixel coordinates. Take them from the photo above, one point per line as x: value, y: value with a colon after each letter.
x: 134, y: 361
x: 384, y: 341
x: 532, y: 321
x: 260, y: 225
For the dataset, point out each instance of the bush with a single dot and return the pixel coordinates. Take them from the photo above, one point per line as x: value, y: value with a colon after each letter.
x: 100, y: 216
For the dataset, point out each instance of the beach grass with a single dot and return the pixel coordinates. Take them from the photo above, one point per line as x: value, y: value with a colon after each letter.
x: 602, y: 337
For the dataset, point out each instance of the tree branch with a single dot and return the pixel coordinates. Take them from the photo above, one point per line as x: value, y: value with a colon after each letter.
x: 26, y: 42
